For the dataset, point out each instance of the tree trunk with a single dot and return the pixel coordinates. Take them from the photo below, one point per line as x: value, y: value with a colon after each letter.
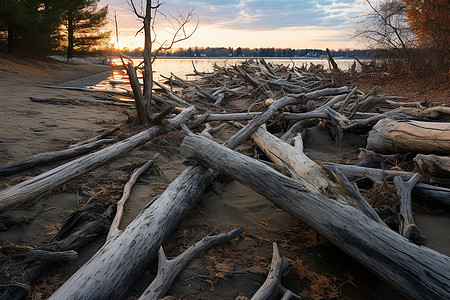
x: 11, y: 39
x: 417, y: 272
x: 389, y: 136
x: 70, y: 23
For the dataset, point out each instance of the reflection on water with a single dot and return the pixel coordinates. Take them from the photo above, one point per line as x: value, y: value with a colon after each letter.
x: 182, y: 67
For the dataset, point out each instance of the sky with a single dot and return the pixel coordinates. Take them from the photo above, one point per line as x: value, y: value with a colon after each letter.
x: 247, y: 23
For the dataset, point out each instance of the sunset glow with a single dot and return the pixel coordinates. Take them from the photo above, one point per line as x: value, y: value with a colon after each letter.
x: 252, y: 24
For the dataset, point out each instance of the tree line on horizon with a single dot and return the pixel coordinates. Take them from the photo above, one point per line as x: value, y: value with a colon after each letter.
x: 47, y: 26
x: 249, y: 52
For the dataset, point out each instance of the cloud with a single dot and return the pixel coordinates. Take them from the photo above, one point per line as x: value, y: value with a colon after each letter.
x: 262, y: 14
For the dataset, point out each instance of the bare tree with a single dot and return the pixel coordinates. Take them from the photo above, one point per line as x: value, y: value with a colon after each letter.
x: 383, y: 26
x: 147, y: 11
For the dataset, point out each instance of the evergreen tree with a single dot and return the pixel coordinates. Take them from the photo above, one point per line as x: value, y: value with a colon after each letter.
x: 31, y: 25
x: 83, y: 26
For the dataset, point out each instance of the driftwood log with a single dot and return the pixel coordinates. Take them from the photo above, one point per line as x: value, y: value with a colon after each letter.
x: 389, y: 136
x: 168, y: 270
x: 272, y: 287
x: 48, y: 157
x: 45, y: 182
x: 415, y: 271
x: 39, y: 185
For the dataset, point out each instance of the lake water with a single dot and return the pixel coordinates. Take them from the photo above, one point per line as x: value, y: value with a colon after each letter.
x: 183, y: 66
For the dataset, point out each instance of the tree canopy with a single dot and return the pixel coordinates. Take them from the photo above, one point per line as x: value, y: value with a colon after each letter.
x: 42, y: 26
x: 430, y: 21
x: 83, y: 25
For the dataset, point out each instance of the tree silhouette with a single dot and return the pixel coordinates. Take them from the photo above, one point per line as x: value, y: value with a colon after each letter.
x: 83, y: 25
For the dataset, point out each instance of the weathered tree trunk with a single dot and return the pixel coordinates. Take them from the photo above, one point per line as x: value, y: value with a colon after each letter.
x: 70, y: 29
x: 417, y: 272
x: 389, y: 136
x: 436, y: 168
x: 47, y: 181
x: 48, y: 157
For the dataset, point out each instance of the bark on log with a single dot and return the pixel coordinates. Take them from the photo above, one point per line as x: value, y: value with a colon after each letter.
x: 435, y: 168
x: 272, y: 287
x: 417, y: 272
x: 48, y: 157
x: 168, y: 270
x: 407, y: 227
x: 389, y: 136
x: 371, y: 159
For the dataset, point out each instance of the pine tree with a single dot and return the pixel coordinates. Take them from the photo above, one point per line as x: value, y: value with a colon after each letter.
x: 31, y: 25
x: 83, y: 26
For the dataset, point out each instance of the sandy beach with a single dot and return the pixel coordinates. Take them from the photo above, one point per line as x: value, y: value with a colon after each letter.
x: 234, y: 270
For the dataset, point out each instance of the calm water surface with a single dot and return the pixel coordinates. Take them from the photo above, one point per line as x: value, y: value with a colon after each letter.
x: 182, y: 67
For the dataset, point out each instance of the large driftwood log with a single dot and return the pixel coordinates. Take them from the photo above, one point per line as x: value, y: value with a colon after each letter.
x: 407, y: 228
x: 48, y: 157
x: 168, y: 270
x: 45, y: 182
x: 435, y: 168
x: 123, y: 259
x: 415, y: 271
x: 389, y: 136
x: 65, y: 101
x: 272, y: 287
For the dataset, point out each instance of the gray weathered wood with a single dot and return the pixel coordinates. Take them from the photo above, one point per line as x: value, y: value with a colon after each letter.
x: 415, y: 271
x: 168, y: 270
x: 48, y: 157
x: 47, y: 181
x: 407, y: 228
x: 435, y: 168
x: 389, y: 136
x: 421, y: 191
x: 272, y: 287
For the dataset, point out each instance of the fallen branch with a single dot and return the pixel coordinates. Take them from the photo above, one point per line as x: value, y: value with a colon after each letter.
x: 168, y: 270
x: 407, y: 227
x: 114, y: 230
x: 272, y: 287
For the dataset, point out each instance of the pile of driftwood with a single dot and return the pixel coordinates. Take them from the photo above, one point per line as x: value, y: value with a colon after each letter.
x: 280, y: 103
